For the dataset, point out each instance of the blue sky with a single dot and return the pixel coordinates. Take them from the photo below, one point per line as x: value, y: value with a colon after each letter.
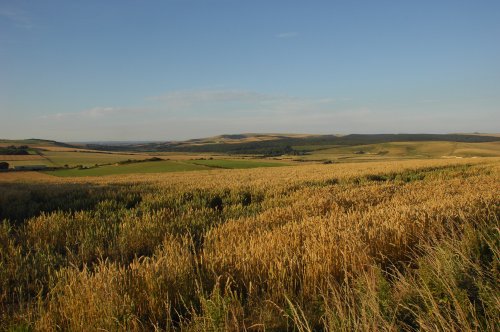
x: 177, y: 69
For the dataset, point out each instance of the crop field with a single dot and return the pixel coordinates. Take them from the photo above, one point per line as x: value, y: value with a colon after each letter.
x: 381, y: 246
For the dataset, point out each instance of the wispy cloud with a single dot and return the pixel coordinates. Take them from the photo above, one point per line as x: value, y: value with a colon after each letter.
x: 205, y: 112
x: 290, y: 34
x: 17, y: 17
x: 193, y: 96
x: 186, y: 99
x: 237, y: 101
x: 95, y: 113
x: 101, y: 111
x: 53, y: 116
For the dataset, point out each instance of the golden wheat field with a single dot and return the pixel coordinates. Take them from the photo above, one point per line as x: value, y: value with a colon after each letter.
x: 383, y: 246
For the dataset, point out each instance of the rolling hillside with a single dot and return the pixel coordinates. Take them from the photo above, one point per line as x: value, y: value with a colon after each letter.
x: 275, y: 144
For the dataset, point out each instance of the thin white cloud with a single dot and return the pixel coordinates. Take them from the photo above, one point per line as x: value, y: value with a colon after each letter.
x: 191, y: 97
x: 237, y: 100
x: 54, y: 116
x: 289, y: 34
x: 333, y: 119
x: 183, y: 103
x: 204, y: 112
x: 287, y: 106
x: 95, y: 113
x: 237, y: 103
x: 210, y: 100
x: 98, y: 112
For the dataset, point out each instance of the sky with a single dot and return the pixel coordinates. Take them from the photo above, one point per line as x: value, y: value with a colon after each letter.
x: 99, y: 70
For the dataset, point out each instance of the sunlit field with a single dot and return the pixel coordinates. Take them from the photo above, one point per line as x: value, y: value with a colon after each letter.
x: 380, y: 246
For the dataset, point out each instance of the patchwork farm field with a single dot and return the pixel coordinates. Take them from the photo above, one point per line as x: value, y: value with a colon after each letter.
x: 394, y: 246
x: 71, y: 162
x: 290, y: 149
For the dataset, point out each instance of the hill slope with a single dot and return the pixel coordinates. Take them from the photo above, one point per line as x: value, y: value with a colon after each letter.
x: 276, y: 144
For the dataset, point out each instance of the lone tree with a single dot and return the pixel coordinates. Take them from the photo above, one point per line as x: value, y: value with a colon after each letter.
x: 4, y: 165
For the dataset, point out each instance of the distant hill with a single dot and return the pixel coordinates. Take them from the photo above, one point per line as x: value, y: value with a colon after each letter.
x: 35, y: 142
x: 279, y: 144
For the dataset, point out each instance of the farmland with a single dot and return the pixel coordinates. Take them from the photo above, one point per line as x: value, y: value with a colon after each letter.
x: 274, y: 145
x: 75, y: 161
x: 246, y: 151
x: 406, y: 245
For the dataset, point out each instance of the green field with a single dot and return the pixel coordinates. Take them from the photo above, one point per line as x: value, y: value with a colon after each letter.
x: 161, y: 167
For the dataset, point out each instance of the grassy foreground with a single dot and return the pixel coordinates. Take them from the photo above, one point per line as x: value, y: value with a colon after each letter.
x: 390, y: 246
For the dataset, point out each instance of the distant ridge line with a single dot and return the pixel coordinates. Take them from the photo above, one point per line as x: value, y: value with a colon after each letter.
x: 277, y: 144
